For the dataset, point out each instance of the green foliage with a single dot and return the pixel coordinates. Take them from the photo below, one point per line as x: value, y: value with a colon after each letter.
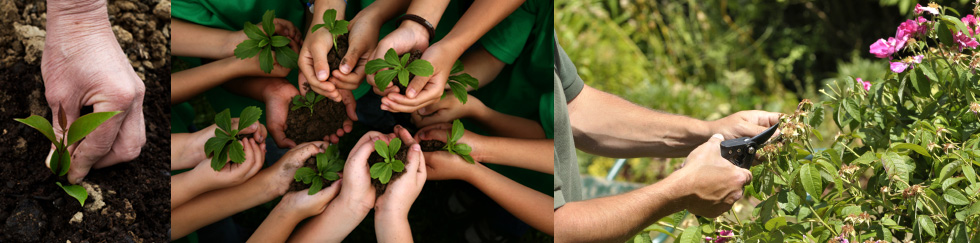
x: 453, y: 145
x: 60, y: 160
x: 459, y: 80
x: 225, y: 143
x: 396, y: 67
x: 382, y: 171
x: 332, y: 24
x: 328, y: 164
x: 300, y: 101
x: 264, y: 43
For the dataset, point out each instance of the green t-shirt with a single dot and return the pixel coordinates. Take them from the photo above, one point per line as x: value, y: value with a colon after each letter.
x: 567, y: 85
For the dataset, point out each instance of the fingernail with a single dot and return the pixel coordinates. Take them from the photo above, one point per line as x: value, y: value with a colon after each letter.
x: 416, y: 147
x: 718, y: 136
x: 321, y: 75
x: 345, y: 68
x: 384, y: 107
x: 410, y: 93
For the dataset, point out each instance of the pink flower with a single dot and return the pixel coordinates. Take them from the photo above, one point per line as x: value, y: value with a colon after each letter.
x: 973, y: 23
x: 900, y: 66
x: 911, y: 28
x: 867, y: 85
x: 963, y: 40
x: 932, y: 8
x: 883, y: 49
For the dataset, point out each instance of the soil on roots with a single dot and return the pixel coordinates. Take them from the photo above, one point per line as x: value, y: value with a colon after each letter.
x: 299, y: 186
x: 431, y: 145
x: 375, y: 158
x: 303, y: 126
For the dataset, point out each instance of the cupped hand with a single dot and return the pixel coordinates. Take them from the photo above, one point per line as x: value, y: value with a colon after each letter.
x: 304, y: 205
x: 363, y: 38
x: 283, y: 28
x: 712, y: 183
x: 440, y: 132
x: 285, y: 168
x: 745, y: 123
x: 358, y: 193
x: 313, y: 63
x: 83, y: 65
x: 233, y: 173
x: 423, y: 91
x: 192, y: 152
x: 442, y: 165
x: 277, y: 102
x: 401, y: 193
x: 409, y: 36
x: 446, y: 110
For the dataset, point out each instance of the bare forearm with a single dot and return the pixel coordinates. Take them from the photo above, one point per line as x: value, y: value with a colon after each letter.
x: 333, y: 225
x: 615, y: 218
x: 504, y: 125
x: 532, y: 154
x: 524, y: 203
x: 183, y: 187
x: 194, y: 40
x: 385, y: 10
x: 477, y: 21
x: 392, y: 227
x: 179, y: 155
x: 218, y: 204
x: 604, y: 124
x: 482, y: 65
x: 276, y: 227
x: 321, y: 6
x: 256, y: 88
x: 189, y: 83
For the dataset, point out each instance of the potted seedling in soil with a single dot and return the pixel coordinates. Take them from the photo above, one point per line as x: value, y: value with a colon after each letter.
x: 338, y: 30
x: 458, y: 82
x: 225, y: 142
x: 453, y: 146
x: 404, y: 69
x: 387, y: 163
x: 324, y: 117
x: 319, y: 171
x: 264, y: 43
x: 60, y: 160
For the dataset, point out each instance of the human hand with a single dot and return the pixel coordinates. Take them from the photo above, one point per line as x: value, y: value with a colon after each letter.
x: 363, y: 38
x: 283, y: 28
x: 409, y: 36
x: 744, y: 123
x: 303, y: 205
x: 83, y: 65
x: 277, y: 100
x: 440, y: 132
x: 233, y: 173
x: 283, y: 171
x: 192, y: 153
x: 442, y: 165
x: 401, y: 193
x: 712, y: 183
x: 313, y: 59
x: 447, y: 110
x: 423, y: 91
x: 358, y: 194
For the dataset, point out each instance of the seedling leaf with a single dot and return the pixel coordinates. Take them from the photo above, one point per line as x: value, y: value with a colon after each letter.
x: 321, y: 162
x: 403, y: 77
x: 376, y: 169
x: 462, y: 149
x: 223, y: 120
x: 397, y: 165
x: 376, y: 65
x: 286, y: 57
x: 305, y: 175
x: 267, y: 24
x: 457, y: 67
x: 41, y: 125
x: 60, y: 162
x: 466, y: 79
x: 381, y: 148
x: 468, y: 158
x: 331, y: 176
x: 249, y: 115
x: 404, y: 60
x: 86, y: 124
x: 384, y: 77
x: 76, y: 191
x: 279, y: 41
x: 458, y: 91
x: 237, y: 152
x: 247, y: 49
x: 265, y: 60
x: 392, y: 58
x: 253, y: 32
x: 393, y: 147
x: 385, y: 173
x: 329, y: 17
x: 457, y: 131
x: 420, y: 67
x: 316, y: 186
x: 339, y: 28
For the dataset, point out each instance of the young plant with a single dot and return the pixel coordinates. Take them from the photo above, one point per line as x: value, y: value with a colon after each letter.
x: 263, y: 44
x: 396, y: 67
x: 61, y: 159
x: 459, y: 80
x: 328, y: 164
x: 307, y: 101
x: 453, y: 145
x: 225, y: 142
x: 334, y: 26
x: 382, y: 171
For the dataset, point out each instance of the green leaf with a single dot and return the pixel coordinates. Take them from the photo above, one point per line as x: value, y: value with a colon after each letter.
x: 404, y: 60
x: 223, y: 120
x: 375, y: 65
x: 76, y: 191
x: 812, y: 183
x: 420, y: 67
x: 381, y: 148
x: 468, y: 158
x: 316, y: 186
x: 462, y: 149
x: 913, y: 147
x: 927, y: 70
x: 392, y: 58
x: 213, y: 145
x: 321, y: 162
x: 919, y: 82
x: 332, y: 151
x: 950, y: 20
x: 279, y: 41
x: 249, y: 115
x: 339, y: 28
x: 331, y: 176
x: 945, y: 35
x: 393, y: 147
x: 253, y: 32
x: 376, y: 169
x: 317, y: 26
x: 329, y: 17
x: 457, y: 67
x: 691, y: 235
x: 237, y: 152
x: 286, y: 57
x: 897, y: 165
x: 86, y: 124
x: 955, y: 197
x: 247, y: 49
x: 458, y: 91
x: 866, y: 158
x: 267, y: 23
x: 456, y: 132
x: 397, y: 165
x: 969, y: 173
x: 41, y: 125
x: 218, y: 162
x: 852, y: 109
x: 263, y: 42
x: 60, y: 162
x: 385, y: 173
x: 384, y: 77
x: 265, y: 59
x: 775, y: 223
x: 403, y: 77
x: 304, y: 174
x: 466, y: 79
x: 925, y: 223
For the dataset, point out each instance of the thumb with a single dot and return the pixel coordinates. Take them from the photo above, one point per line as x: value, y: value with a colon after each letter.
x: 349, y: 61
x: 77, y: 172
x: 416, y: 85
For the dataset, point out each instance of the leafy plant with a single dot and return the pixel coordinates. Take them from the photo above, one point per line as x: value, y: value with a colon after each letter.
x: 453, y: 145
x: 225, y: 142
x: 328, y: 164
x: 396, y: 67
x: 307, y: 101
x: 459, y: 80
x: 264, y: 43
x: 382, y: 171
x: 60, y: 160
x: 333, y: 25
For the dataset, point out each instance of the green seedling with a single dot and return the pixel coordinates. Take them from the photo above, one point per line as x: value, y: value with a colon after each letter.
x: 382, y: 171
x: 300, y: 101
x: 264, y: 43
x: 328, y: 164
x: 396, y: 67
x: 61, y: 159
x: 333, y: 25
x: 225, y: 142
x: 453, y: 145
x: 459, y: 80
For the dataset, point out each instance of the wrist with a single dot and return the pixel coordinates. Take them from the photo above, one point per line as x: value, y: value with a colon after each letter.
x: 419, y: 31
x: 674, y: 189
x: 701, y: 130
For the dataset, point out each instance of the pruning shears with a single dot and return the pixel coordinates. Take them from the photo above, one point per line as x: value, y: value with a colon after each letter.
x: 741, y: 151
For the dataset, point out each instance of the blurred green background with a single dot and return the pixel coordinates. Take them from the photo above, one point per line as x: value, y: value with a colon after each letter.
x: 708, y: 59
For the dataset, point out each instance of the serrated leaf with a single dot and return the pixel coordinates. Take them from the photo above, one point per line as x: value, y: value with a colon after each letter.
x: 955, y: 197
x: 397, y: 165
x: 375, y: 65
x: 279, y: 41
x: 86, y: 124
x: 392, y: 58
x: 925, y: 223
x: 237, y: 152
x: 458, y: 91
x: 214, y: 144
x: 420, y: 67
x: 315, y: 186
x: 265, y: 59
x: 381, y: 148
x: 812, y: 183
x: 466, y: 79
x: 456, y: 132
x: 247, y: 49
x: 384, y: 77
x: 403, y: 77
x: 267, y: 24
x: 218, y: 162
x: 253, y: 32
x: 76, y: 191
x: 249, y: 115
x: 41, y: 125
x: 691, y: 235
x: 457, y: 67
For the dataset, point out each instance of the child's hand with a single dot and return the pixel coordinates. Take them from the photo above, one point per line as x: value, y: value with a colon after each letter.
x: 283, y: 28
x: 193, y: 152
x: 363, y: 38
x: 440, y: 132
x: 233, y: 174
x: 358, y: 194
x: 423, y: 91
x: 447, y: 110
x: 409, y: 36
x: 401, y: 193
x: 303, y: 205
x: 442, y: 165
x: 285, y: 168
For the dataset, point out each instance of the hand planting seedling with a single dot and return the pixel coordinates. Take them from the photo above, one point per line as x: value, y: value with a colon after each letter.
x: 459, y: 80
x: 396, y: 67
x: 328, y: 164
x: 334, y: 26
x: 453, y: 145
x: 60, y: 160
x: 382, y: 171
x: 225, y: 142
x: 263, y: 44
x: 311, y: 98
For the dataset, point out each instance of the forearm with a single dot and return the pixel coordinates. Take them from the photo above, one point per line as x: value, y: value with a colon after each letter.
x: 619, y: 217
x: 333, y: 225
x: 218, y: 204
x: 482, y: 65
x: 257, y: 88
x: 475, y: 22
x: 276, y: 227
x: 524, y: 203
x: 179, y: 156
x: 504, y: 125
x: 430, y: 10
x: 392, y: 227
x: 604, y: 124
x: 384, y: 10
x: 194, y: 40
x: 183, y: 187
x: 532, y: 154
x: 321, y: 6
x: 189, y: 83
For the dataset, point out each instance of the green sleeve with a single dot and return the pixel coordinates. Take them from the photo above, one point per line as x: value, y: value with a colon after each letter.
x: 506, y: 40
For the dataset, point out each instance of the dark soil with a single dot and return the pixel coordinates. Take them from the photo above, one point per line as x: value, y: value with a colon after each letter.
x: 136, y: 195
x: 333, y: 59
x: 299, y: 186
x: 431, y: 145
x: 375, y: 158
x: 327, y: 117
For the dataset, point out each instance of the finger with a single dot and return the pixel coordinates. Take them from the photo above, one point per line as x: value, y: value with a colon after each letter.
x: 305, y: 64
x: 434, y: 134
x: 320, y: 63
x: 347, y: 127
x: 416, y: 85
x: 414, y: 159
x: 404, y: 135
x: 97, y: 144
x: 354, y: 53
x: 345, y: 81
x: 347, y: 97
x: 434, y: 107
x: 405, y: 108
x: 747, y: 178
x: 326, y: 88
x: 768, y: 119
x: 357, y: 160
x: 416, y: 154
x: 259, y: 156
x: 327, y: 194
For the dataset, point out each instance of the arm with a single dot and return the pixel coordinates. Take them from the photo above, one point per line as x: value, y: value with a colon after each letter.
x: 203, y: 177
x: 191, y: 82
x: 293, y: 208
x: 525, y: 203
x: 500, y: 124
x: 276, y: 227
x: 200, y: 41
x: 482, y: 65
x: 532, y: 154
